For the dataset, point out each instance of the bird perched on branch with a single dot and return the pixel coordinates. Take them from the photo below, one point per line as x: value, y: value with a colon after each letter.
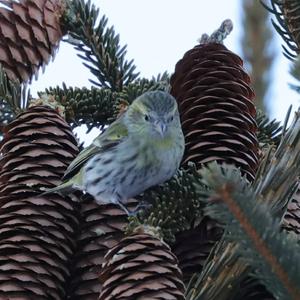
x: 142, y: 148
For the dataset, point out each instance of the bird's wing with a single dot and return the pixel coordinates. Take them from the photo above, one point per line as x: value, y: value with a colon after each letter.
x: 110, y: 138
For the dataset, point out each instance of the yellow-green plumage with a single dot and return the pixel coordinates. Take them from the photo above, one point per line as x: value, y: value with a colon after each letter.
x: 141, y: 149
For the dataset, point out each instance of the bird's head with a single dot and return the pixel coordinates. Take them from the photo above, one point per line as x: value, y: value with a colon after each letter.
x: 154, y: 115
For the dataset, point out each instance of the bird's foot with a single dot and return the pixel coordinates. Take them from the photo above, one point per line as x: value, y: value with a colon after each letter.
x: 141, y: 206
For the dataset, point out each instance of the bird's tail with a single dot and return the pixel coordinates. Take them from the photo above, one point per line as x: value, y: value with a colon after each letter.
x: 63, y: 188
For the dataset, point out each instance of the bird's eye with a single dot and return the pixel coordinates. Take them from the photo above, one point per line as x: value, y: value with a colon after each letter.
x: 147, y: 118
x: 171, y: 119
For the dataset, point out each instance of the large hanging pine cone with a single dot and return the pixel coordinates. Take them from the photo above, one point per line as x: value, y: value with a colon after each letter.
x: 101, y: 228
x: 29, y: 35
x: 217, y: 115
x: 37, y: 233
x: 141, y: 267
x: 216, y: 108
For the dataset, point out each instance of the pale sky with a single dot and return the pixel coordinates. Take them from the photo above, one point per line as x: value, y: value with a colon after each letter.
x: 157, y: 34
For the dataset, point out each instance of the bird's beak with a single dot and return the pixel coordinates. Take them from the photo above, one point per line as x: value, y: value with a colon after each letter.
x: 161, y: 128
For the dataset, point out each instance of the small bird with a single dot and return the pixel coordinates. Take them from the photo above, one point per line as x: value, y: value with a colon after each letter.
x: 142, y: 148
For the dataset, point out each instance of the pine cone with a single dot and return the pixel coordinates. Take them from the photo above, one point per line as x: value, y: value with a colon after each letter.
x: 217, y: 115
x: 29, y: 35
x: 216, y: 108
x: 101, y: 228
x: 141, y: 267
x: 193, y: 246
x: 37, y: 233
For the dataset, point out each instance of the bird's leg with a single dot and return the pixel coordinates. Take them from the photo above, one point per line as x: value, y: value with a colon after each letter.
x: 142, y: 205
x: 128, y: 212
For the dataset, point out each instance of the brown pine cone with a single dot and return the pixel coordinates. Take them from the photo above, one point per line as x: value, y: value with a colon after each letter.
x: 140, y: 267
x: 37, y: 233
x: 101, y: 228
x: 217, y: 115
x: 216, y: 108
x: 29, y: 35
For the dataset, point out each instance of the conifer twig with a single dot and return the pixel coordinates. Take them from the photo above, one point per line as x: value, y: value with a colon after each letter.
x: 273, y: 255
x: 98, y: 45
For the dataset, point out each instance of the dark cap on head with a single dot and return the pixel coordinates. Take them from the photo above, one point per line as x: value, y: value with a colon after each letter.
x: 158, y: 101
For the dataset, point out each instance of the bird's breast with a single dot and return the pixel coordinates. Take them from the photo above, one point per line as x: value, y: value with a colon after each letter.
x: 161, y: 158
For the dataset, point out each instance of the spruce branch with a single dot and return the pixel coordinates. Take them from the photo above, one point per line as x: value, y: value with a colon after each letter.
x: 93, y: 107
x: 98, y: 45
x: 295, y: 68
x: 295, y: 72
x: 286, y: 24
x: 98, y: 107
x: 276, y: 184
x: 273, y: 255
x: 13, y: 99
x: 269, y: 132
x: 221, y: 261
x: 13, y: 93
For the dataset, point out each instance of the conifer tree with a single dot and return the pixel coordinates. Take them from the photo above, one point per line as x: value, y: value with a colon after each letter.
x: 225, y: 226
